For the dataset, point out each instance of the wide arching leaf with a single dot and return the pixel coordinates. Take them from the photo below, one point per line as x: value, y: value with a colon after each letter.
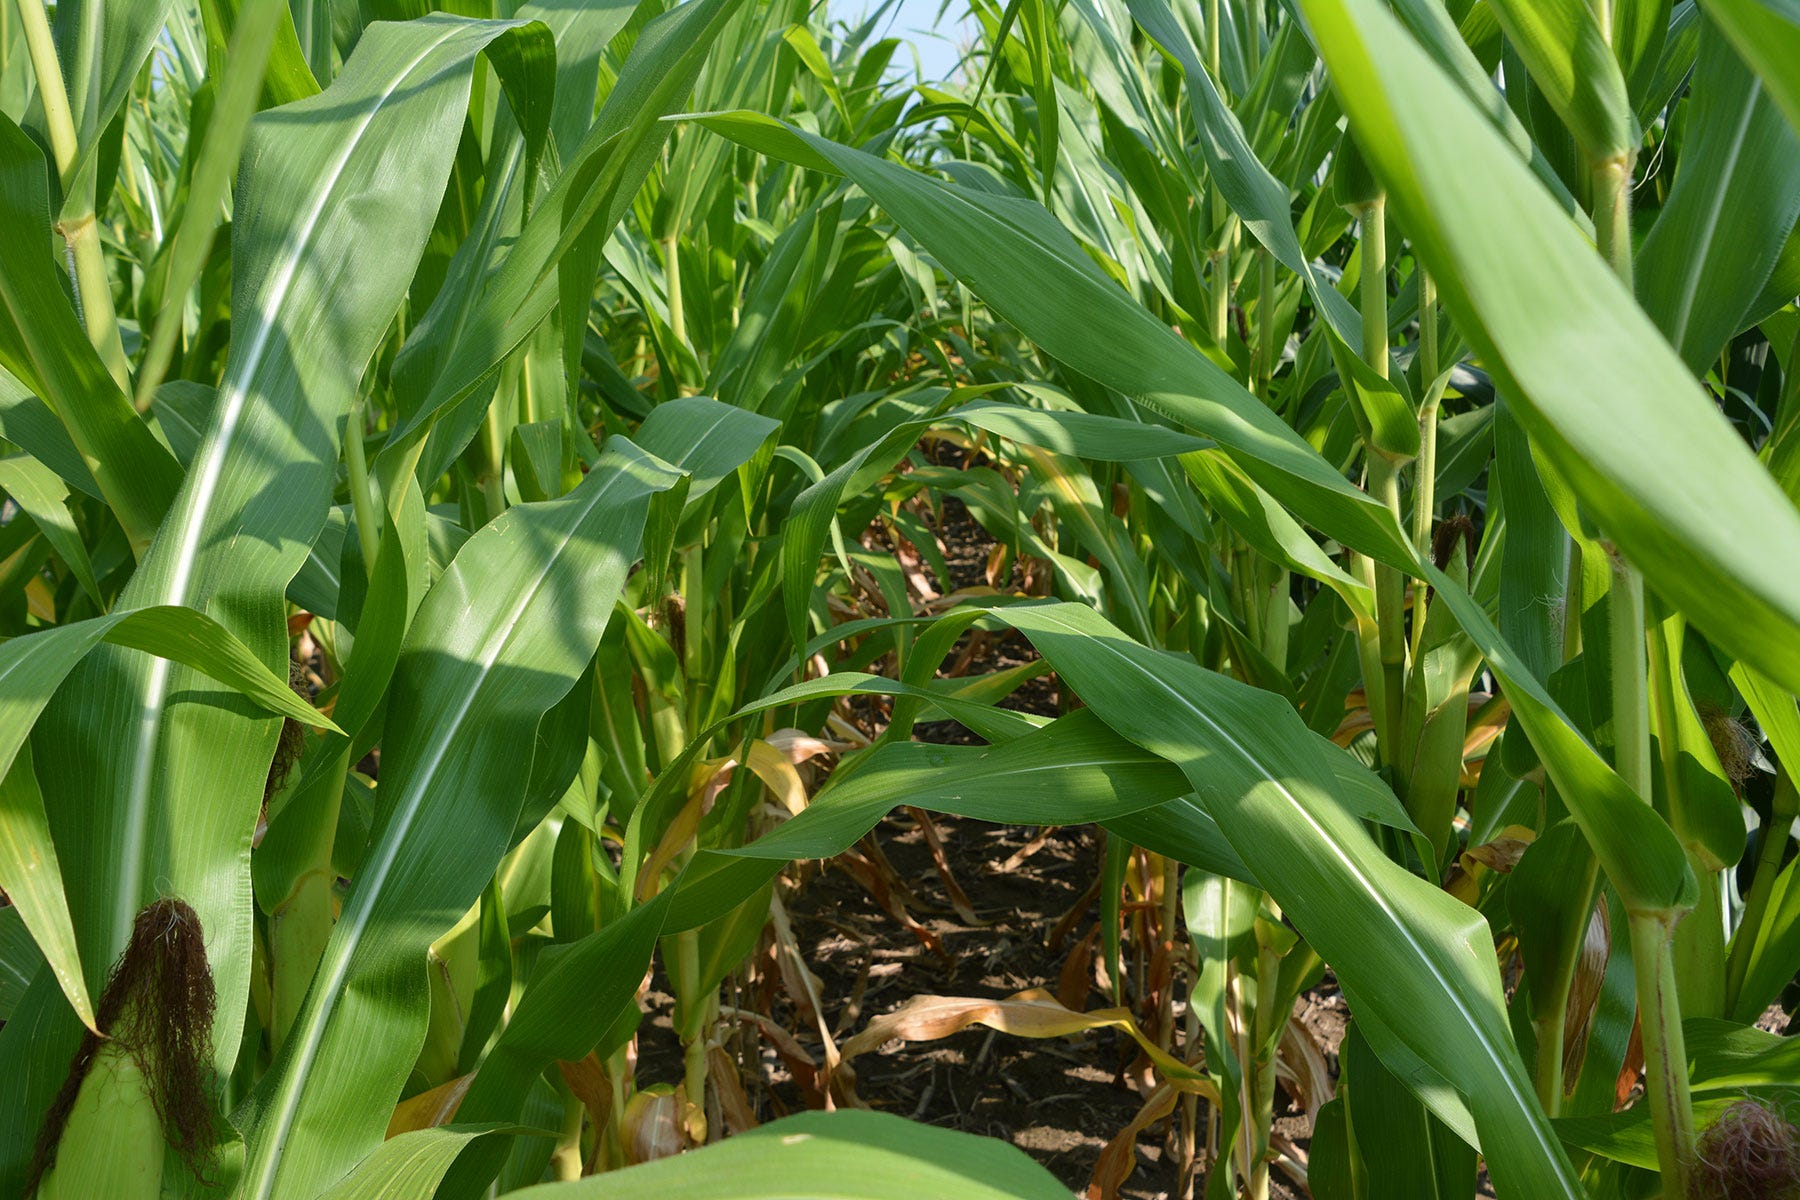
x: 1018, y: 259
x: 1412, y: 958
x: 498, y: 641
x: 863, y: 1155
x: 153, y: 774
x: 1733, y: 206
x: 1602, y: 395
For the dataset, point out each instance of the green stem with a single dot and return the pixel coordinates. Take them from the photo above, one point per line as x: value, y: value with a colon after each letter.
x: 301, y: 924
x: 1243, y: 573
x: 565, y: 1160
x: 693, y: 1033
x: 1220, y: 275
x: 59, y: 122
x: 1611, y: 179
x: 1384, y: 484
x: 1372, y: 285
x: 672, y: 271
x: 1700, y: 939
x: 1603, y: 15
x: 362, y: 496
x: 1212, y: 39
x: 1549, y: 1076
x: 1665, y: 1048
x: 493, y: 438
x: 1572, y: 601
x: 1192, y: 1051
x: 1247, y: 1150
x: 1265, y: 324
x: 700, y: 682
x: 612, y: 1139
x: 1771, y: 845
x: 1275, y: 621
x: 1390, y: 614
x: 192, y: 238
x: 1222, y: 219
x: 1368, y: 654
x: 93, y: 290
x: 1630, y: 678
x: 1259, y: 1069
x: 1171, y: 905
x: 1551, y: 1023
x: 392, y: 483
x: 1652, y: 940
x: 1425, y: 473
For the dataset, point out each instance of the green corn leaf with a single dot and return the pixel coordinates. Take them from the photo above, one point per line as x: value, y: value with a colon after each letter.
x: 1726, y: 1056
x: 1253, y: 193
x: 103, y: 48
x: 1771, y: 960
x: 1775, y: 957
x: 588, y: 199
x: 28, y: 422
x: 1574, y: 69
x: 1635, y: 845
x: 1073, y: 769
x: 1028, y: 268
x: 1390, y: 425
x: 706, y: 439
x: 32, y: 668
x: 1728, y: 1063
x: 37, y: 490
x: 1683, y: 498
x: 509, y: 188
x: 1728, y: 217
x: 328, y: 232
x: 1414, y: 959
x: 288, y: 77
x: 19, y: 961
x: 1534, y: 556
x: 411, y: 1165
x: 1766, y: 34
x: 1640, y: 32
x: 44, y: 346
x: 1430, y: 22
x: 32, y: 878
x: 573, y: 1005
x: 1259, y: 520
x: 498, y: 641
x: 1399, y: 1140
x: 1549, y: 897
x: 1077, y: 433
x: 865, y: 1155
x: 191, y: 243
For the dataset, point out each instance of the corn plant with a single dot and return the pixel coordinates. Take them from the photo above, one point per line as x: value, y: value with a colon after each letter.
x: 473, y: 494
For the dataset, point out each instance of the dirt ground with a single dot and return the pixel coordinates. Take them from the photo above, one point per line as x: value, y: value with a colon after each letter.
x: 1060, y: 1101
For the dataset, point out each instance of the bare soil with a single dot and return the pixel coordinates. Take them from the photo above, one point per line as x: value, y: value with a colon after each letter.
x: 1060, y: 1101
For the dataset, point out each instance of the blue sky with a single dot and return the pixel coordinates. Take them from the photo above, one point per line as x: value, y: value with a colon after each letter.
x: 916, y: 21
